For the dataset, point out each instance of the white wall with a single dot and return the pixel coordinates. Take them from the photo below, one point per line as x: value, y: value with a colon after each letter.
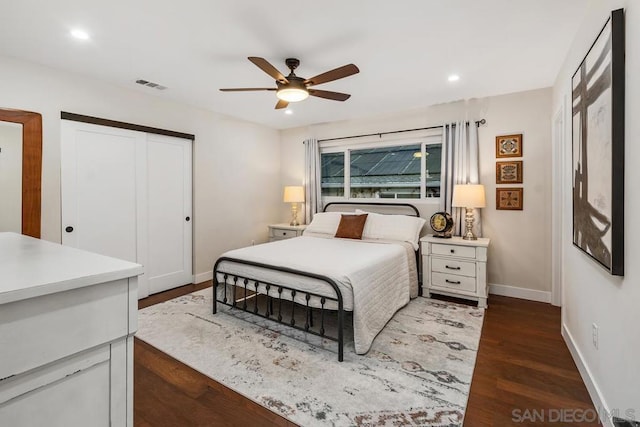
x: 10, y: 177
x: 236, y: 163
x: 590, y: 294
x: 521, y: 240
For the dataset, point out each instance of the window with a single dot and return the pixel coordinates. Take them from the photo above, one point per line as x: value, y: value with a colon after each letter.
x: 410, y: 171
x: 432, y: 166
x: 333, y: 174
x: 388, y: 173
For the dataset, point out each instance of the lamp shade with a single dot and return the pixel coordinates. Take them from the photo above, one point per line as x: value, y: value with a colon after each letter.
x: 468, y: 196
x: 294, y: 194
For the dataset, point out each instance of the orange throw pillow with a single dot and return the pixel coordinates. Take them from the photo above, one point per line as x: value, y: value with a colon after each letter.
x: 351, y: 226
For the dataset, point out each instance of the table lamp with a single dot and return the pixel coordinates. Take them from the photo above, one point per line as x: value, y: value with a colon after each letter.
x: 468, y: 196
x: 294, y: 195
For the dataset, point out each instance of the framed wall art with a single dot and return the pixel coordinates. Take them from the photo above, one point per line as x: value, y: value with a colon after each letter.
x: 598, y: 148
x: 509, y: 146
x: 509, y: 172
x: 509, y: 199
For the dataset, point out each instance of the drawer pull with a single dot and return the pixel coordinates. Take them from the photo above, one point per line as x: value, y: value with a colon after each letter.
x: 284, y: 233
x: 452, y: 268
x: 453, y: 251
x: 453, y: 282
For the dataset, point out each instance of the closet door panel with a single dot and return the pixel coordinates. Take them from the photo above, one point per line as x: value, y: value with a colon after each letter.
x: 99, y: 199
x: 169, y: 206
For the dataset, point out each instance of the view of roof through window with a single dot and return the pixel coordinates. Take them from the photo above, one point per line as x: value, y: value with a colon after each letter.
x: 333, y: 174
x: 389, y: 172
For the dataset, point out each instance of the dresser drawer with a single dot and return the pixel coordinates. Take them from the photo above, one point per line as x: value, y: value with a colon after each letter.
x: 453, y: 266
x: 54, y: 326
x: 454, y: 250
x: 282, y: 233
x: 452, y: 281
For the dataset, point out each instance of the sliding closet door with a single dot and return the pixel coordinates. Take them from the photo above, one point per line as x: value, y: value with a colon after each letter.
x: 169, y: 214
x: 127, y: 194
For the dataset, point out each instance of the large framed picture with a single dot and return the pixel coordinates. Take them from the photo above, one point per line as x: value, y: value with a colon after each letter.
x: 509, y: 172
x: 598, y: 148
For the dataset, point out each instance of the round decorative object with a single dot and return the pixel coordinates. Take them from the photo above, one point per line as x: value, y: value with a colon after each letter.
x: 441, y: 223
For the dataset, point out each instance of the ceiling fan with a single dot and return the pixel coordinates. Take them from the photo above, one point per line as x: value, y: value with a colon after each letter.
x: 293, y: 88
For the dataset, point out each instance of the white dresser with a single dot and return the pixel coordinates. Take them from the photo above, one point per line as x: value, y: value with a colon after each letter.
x: 285, y: 231
x: 455, y: 267
x: 67, y: 319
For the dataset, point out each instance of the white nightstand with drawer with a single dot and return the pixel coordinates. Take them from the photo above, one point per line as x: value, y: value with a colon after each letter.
x: 455, y: 267
x: 285, y: 231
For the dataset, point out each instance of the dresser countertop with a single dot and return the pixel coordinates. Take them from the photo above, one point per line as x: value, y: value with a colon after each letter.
x: 32, y: 267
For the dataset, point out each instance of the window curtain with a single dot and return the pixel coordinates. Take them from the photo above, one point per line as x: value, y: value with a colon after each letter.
x: 312, y: 187
x: 459, y: 165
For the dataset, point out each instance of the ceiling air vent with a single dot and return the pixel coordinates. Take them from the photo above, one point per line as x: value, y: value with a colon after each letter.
x: 150, y: 84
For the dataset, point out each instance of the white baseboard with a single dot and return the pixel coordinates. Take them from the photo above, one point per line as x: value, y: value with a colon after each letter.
x: 203, y: 277
x: 522, y: 293
x: 592, y: 387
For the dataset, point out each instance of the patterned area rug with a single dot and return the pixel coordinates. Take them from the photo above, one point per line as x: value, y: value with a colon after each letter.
x: 417, y: 373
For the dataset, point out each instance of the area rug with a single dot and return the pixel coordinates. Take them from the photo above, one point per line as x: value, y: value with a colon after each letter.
x: 417, y: 373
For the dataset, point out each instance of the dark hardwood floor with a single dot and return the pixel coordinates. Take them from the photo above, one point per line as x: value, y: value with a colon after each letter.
x: 523, y: 370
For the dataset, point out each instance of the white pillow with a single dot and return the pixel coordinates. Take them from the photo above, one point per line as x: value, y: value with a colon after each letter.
x: 393, y: 227
x: 324, y: 223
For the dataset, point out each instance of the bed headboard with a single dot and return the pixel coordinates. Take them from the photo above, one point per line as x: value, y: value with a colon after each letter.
x: 381, y: 208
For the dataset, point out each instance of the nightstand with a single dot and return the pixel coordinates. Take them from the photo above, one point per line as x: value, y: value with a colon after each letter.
x: 455, y: 267
x: 285, y: 231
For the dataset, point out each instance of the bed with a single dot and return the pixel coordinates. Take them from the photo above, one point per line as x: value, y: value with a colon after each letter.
x: 319, y: 276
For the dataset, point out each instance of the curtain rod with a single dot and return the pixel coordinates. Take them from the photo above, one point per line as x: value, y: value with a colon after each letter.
x: 478, y: 123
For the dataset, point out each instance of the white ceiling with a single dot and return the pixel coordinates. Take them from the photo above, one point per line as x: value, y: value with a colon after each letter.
x: 405, y: 49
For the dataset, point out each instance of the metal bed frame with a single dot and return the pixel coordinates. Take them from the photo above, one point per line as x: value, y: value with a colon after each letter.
x: 233, y: 283
x: 270, y: 313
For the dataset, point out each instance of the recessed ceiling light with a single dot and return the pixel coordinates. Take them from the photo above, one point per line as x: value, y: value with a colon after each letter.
x: 80, y: 34
x: 454, y: 78
x: 288, y: 112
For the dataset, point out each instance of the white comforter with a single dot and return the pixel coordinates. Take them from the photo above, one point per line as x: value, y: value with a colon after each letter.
x: 376, y: 279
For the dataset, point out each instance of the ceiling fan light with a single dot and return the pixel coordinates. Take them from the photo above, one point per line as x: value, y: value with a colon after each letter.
x: 292, y: 94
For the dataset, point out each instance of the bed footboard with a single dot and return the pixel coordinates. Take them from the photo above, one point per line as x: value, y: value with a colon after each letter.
x: 276, y: 294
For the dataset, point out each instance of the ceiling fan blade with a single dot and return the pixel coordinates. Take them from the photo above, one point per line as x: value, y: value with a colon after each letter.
x: 335, y: 96
x: 335, y: 74
x: 281, y: 104
x: 265, y: 66
x: 246, y: 89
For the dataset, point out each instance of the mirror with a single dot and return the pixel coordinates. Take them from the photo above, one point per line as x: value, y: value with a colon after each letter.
x: 29, y: 198
x: 11, y: 177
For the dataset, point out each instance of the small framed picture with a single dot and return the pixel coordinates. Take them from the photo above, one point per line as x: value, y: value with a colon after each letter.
x: 509, y: 199
x: 509, y: 145
x: 509, y: 172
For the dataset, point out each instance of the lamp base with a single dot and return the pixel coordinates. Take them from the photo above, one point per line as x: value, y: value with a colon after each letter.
x: 468, y: 225
x: 294, y: 215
